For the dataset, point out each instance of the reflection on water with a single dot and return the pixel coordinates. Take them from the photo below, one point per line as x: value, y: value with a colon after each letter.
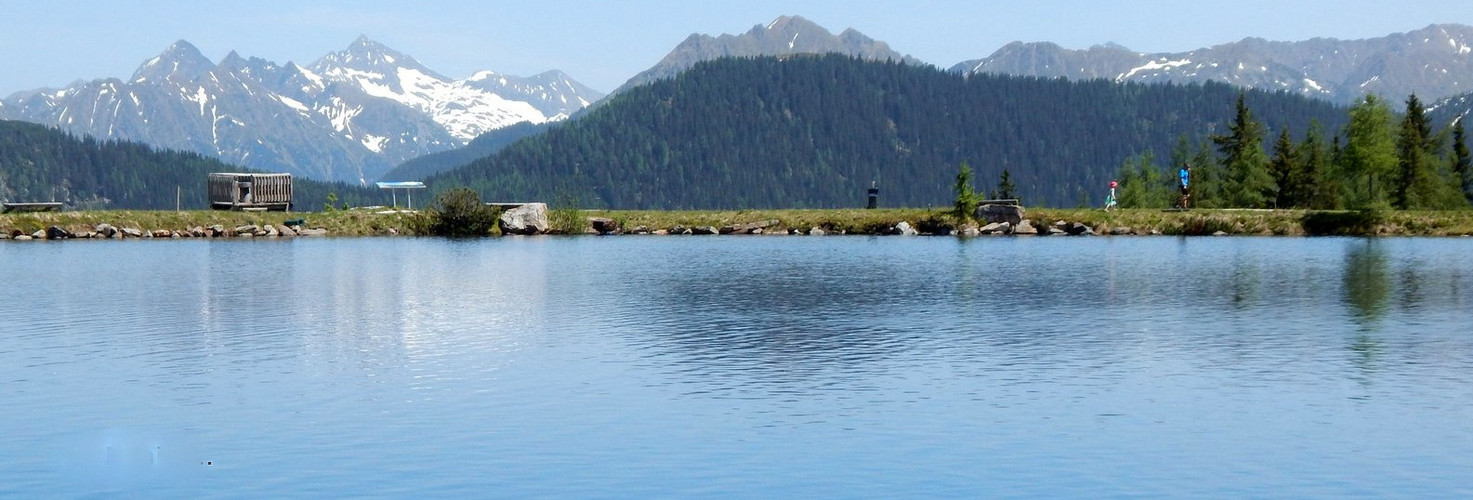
x: 1367, y: 281
x: 758, y: 367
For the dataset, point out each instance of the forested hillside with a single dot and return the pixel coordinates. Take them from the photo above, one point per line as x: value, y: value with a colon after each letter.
x: 43, y: 164
x: 486, y: 144
x: 815, y: 131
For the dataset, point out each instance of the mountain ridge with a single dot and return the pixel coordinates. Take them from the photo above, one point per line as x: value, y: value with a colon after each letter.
x: 785, y: 35
x: 349, y: 116
x: 1434, y: 62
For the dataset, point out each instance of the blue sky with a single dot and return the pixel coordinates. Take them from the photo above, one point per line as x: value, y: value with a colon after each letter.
x: 50, y: 44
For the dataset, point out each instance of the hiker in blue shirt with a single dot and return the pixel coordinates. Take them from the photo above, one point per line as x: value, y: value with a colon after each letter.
x: 1184, y: 175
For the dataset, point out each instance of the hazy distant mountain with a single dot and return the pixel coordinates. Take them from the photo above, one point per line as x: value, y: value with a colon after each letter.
x: 350, y: 116
x: 1445, y: 111
x: 1433, y: 62
x: 783, y: 36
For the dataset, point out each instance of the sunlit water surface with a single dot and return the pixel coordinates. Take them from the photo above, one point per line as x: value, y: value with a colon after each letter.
x: 763, y: 367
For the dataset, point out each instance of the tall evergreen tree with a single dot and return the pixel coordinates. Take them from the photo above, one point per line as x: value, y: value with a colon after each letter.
x: 1321, y: 187
x: 1417, y: 182
x: 1285, y: 167
x: 1369, y: 156
x: 1005, y: 188
x: 1462, y: 163
x: 966, y: 196
x: 1249, y: 183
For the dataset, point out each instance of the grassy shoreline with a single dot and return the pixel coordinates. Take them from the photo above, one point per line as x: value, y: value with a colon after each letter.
x: 370, y: 222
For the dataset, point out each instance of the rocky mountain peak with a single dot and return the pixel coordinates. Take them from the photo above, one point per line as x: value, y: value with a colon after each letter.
x: 367, y: 55
x: 178, y: 63
x: 783, y: 36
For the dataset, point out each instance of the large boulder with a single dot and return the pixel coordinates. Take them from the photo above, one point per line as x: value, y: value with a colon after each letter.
x: 995, y: 212
x: 903, y: 229
x: 529, y: 218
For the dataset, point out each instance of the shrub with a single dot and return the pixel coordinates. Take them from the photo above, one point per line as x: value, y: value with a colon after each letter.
x: 457, y: 212
x: 566, y: 218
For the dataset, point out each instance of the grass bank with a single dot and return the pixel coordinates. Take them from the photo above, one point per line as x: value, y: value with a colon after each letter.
x: 368, y: 222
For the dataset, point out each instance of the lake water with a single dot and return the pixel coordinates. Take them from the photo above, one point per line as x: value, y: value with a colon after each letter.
x: 760, y: 367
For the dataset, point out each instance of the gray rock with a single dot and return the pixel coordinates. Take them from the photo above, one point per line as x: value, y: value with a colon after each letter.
x: 1025, y: 227
x: 970, y: 232
x: 602, y: 225
x: 251, y: 229
x: 130, y: 232
x: 679, y: 229
x: 23, y: 238
x: 5, y: 236
x: 816, y: 231
x: 996, y: 228
x: 1079, y: 229
x: 748, y: 228
x: 904, y: 229
x: 1220, y: 233
x: 40, y: 234
x: 1121, y: 231
x: 312, y: 232
x: 159, y: 233
x: 271, y: 231
x: 704, y: 230
x: 57, y: 233
x: 106, y: 230
x: 530, y: 218
x: 660, y: 232
x: 1011, y: 214
x: 640, y: 230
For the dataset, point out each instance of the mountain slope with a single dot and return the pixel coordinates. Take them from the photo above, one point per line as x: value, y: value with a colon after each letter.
x: 1434, y: 62
x: 785, y: 35
x: 815, y: 131
x: 38, y: 163
x: 487, y: 144
x: 350, y: 116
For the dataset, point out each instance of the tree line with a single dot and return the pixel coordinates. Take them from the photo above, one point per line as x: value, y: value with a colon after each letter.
x: 1377, y: 160
x: 817, y: 131
x: 39, y: 163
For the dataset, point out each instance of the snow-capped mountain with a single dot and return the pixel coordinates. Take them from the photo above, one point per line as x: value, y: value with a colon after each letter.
x: 350, y: 116
x: 783, y: 36
x: 1433, y: 62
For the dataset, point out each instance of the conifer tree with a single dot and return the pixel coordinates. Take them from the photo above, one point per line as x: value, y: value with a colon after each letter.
x: 1285, y: 168
x: 1321, y: 186
x: 1005, y: 188
x: 966, y: 196
x: 1417, y: 182
x: 1143, y: 183
x: 1249, y: 183
x: 1369, y: 156
x: 1462, y: 163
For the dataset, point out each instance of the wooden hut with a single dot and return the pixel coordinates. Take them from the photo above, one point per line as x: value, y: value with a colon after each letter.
x: 232, y: 191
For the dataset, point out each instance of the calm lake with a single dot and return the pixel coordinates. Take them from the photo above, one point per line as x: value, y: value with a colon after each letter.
x: 760, y: 367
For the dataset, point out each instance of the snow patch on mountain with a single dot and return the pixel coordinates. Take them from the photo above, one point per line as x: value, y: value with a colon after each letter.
x: 1163, y: 64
